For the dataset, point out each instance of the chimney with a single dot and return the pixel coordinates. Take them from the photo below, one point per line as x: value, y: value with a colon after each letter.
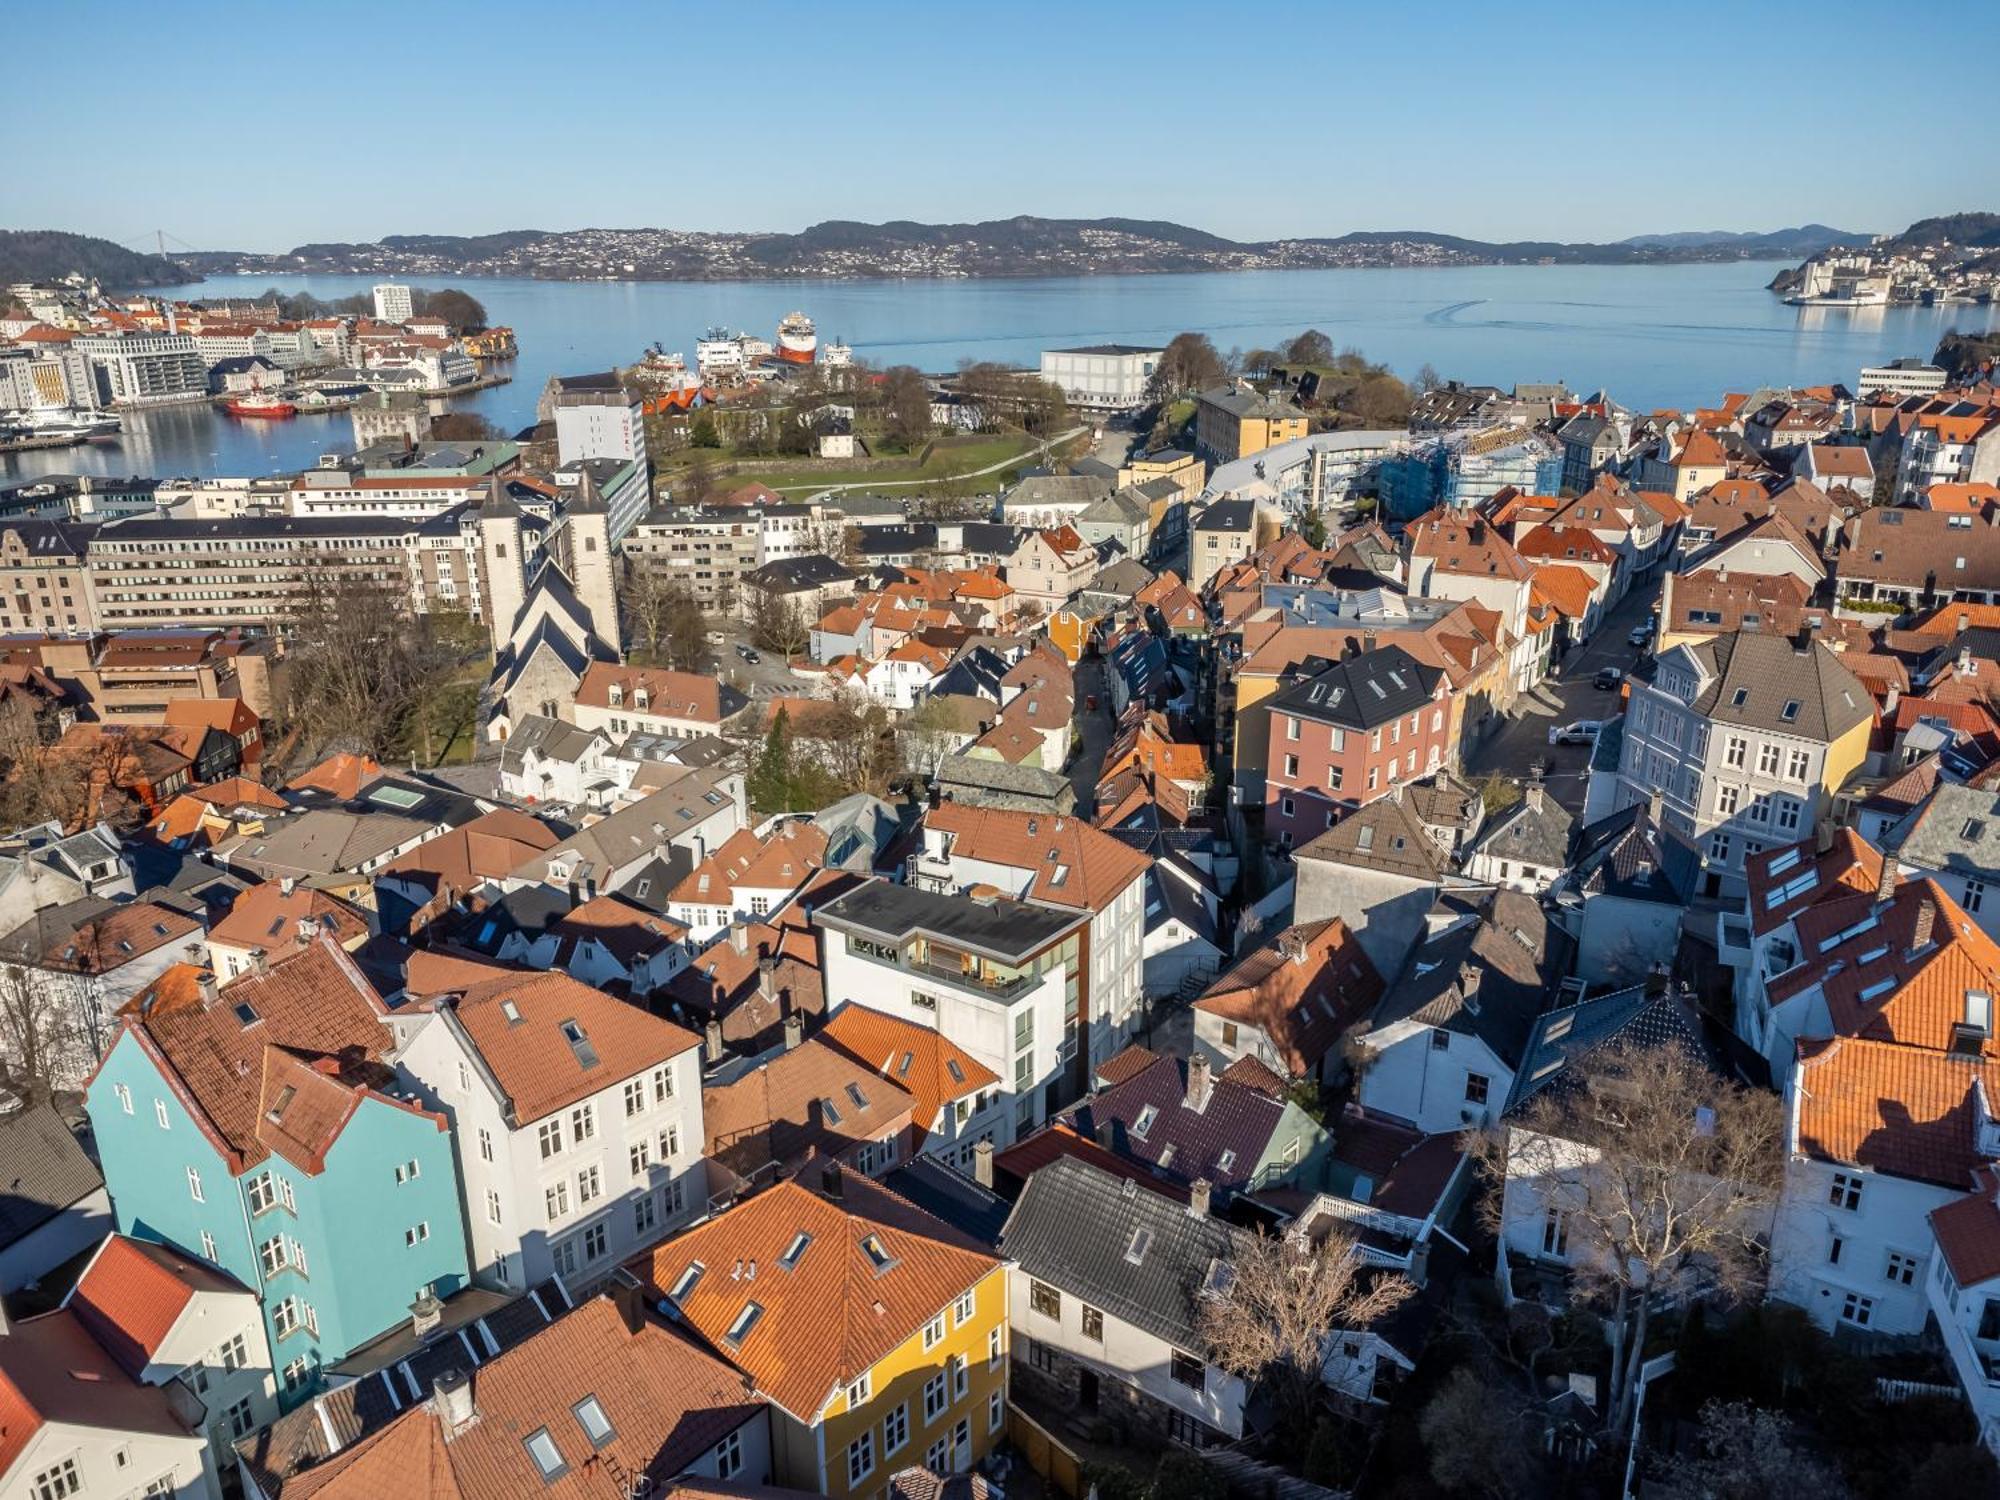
x: 289, y: 884
x: 205, y: 982
x: 795, y: 1030
x: 305, y: 932
x: 1198, y: 1196
x: 1822, y: 836
x: 739, y: 937
x: 1200, y: 1083
x: 1654, y: 801
x: 767, y: 976
x: 711, y: 1041
x: 1531, y: 795
x: 1802, y: 642
x: 982, y: 1164
x: 425, y: 1313
x: 1892, y: 871
x: 1368, y: 640
x: 829, y: 1180
x: 628, y: 1295
x: 259, y: 961
x: 451, y: 1399
x: 1920, y: 934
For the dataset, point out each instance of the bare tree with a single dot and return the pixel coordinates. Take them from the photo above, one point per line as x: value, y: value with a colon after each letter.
x: 1663, y: 1177
x: 647, y: 596
x: 778, y: 624
x: 1286, y: 1296
x: 1427, y: 380
x: 906, y: 404
x: 363, y: 671
x: 1747, y: 1453
x: 39, y: 1032
x: 929, y: 733
x: 1188, y: 363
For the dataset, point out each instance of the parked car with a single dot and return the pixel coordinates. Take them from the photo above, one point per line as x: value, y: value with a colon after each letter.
x: 748, y: 655
x: 717, y: 638
x: 1641, y: 633
x: 1607, y: 678
x: 1582, y: 732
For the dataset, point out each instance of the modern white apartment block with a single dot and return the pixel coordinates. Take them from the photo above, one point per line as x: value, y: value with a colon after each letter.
x: 144, y: 369
x: 393, y: 303
x: 1902, y: 377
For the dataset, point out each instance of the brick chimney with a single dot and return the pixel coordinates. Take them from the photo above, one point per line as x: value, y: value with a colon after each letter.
x: 1920, y: 933
x: 1200, y: 1083
x: 1531, y: 795
x: 1892, y: 871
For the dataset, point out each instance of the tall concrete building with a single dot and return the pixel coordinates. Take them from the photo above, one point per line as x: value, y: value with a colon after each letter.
x: 1102, y: 377
x: 596, y: 417
x: 393, y: 303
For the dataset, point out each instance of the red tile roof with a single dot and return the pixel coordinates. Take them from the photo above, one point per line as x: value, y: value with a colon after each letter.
x: 1096, y: 867
x: 340, y: 776
x: 134, y: 1291
x: 266, y: 917
x: 672, y: 695
x: 919, y: 1059
x: 836, y: 1311
x: 1907, y: 1111
x: 1968, y: 1231
x: 1303, y: 990
x: 53, y: 1371
x: 531, y: 1057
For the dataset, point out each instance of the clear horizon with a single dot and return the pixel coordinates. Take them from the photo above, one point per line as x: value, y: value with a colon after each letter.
x: 463, y: 119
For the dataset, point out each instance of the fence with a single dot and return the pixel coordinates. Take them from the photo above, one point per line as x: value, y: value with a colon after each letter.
x: 1059, y: 1468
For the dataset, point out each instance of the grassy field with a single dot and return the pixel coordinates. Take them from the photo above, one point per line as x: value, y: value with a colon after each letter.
x: 950, y: 458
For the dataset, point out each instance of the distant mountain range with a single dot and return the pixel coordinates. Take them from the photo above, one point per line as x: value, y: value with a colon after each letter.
x: 1025, y: 246
x: 1807, y: 239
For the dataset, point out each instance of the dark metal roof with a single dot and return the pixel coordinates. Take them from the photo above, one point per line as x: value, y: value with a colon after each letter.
x: 1003, y: 929
x: 1362, y: 692
x: 45, y: 1169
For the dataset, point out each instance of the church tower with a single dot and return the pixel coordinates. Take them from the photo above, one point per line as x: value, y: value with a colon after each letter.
x: 584, y: 543
x: 503, y: 572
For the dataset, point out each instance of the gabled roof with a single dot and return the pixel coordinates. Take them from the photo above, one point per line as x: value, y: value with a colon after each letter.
x: 284, y: 923
x: 1486, y: 974
x: 47, y: 1171
x: 1184, y: 1123
x: 667, y: 1401
x: 1303, y: 990
x: 1535, y: 830
x: 921, y: 1060
x: 549, y: 1040
x: 782, y: 861
x: 1968, y: 1231
x: 490, y: 847
x: 629, y: 933
x: 1783, y: 882
x: 53, y: 1372
x: 1140, y: 1257
x: 1072, y: 864
x: 313, y: 1024
x: 1385, y: 835
x: 840, y: 1308
x: 797, y: 1101
x: 133, y: 1292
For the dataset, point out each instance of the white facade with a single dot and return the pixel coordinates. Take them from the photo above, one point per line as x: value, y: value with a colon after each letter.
x: 1968, y: 1318
x: 68, y: 1458
x: 1904, y: 377
x: 1019, y: 1035
x: 606, y: 426
x: 1117, y: 936
x: 393, y: 303
x: 1852, y: 1247
x: 144, y: 369
x: 575, y: 1192
x: 1103, y: 377
x: 1436, y: 1079
x: 1124, y: 1352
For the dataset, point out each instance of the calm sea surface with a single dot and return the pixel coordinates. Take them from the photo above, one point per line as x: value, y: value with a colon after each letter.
x: 1654, y: 336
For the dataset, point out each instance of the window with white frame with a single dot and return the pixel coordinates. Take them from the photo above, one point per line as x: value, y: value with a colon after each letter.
x: 1857, y: 1309
x: 583, y: 1122
x: 935, y: 1399
x: 896, y: 1430
x: 635, y: 1096
x: 1901, y: 1269
x: 860, y: 1458
x: 1845, y: 1191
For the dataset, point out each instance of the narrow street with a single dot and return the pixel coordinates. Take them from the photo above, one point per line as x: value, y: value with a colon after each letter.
x: 1567, y: 696
x: 1092, y: 729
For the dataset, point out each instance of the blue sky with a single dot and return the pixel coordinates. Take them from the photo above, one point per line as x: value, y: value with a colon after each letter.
x: 271, y: 125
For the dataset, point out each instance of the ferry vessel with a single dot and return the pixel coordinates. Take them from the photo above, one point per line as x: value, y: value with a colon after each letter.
x: 259, y: 406
x: 798, y: 340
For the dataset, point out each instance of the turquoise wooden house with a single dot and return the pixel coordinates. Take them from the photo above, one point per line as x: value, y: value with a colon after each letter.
x: 258, y: 1126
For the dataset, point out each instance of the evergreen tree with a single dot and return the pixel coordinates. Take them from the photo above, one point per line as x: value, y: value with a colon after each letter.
x: 770, y: 785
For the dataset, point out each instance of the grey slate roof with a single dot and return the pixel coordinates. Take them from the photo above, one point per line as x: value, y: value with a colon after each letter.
x: 552, y: 739
x: 952, y: 1197
x: 1374, y: 688
x: 1223, y: 1140
x: 1056, y: 489
x: 1629, y: 854
x: 1770, y: 674
x: 1074, y: 1227
x: 44, y: 1168
x: 1531, y: 834
x: 797, y: 574
x: 1227, y: 515
x: 1561, y: 1037
x: 1505, y: 940
x: 1957, y: 831
x: 989, y: 782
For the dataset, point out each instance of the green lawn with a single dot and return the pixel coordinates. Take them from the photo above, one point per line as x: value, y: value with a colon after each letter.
x: 950, y: 458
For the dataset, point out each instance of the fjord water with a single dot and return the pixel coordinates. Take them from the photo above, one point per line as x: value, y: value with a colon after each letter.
x: 1654, y: 336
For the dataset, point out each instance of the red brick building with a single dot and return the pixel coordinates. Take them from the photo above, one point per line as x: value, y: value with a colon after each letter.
x: 1347, y: 732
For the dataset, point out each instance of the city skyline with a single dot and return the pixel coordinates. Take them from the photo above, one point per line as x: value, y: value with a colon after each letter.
x: 679, y: 120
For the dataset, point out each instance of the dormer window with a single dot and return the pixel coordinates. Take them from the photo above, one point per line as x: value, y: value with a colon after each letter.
x: 617, y: 695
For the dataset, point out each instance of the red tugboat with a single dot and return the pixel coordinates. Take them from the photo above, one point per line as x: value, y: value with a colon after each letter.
x: 258, y: 405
